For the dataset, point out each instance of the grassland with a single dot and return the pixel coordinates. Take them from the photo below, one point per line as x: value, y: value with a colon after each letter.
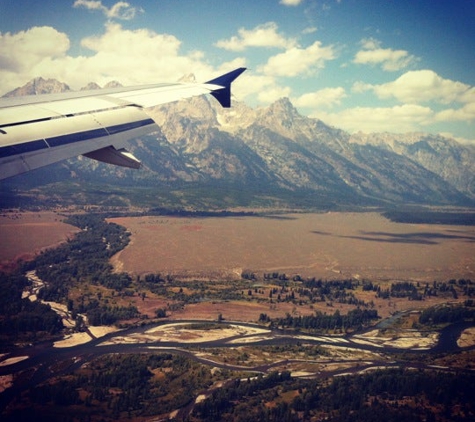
x: 25, y: 234
x: 329, y: 245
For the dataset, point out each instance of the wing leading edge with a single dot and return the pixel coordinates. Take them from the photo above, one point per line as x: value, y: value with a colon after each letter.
x: 36, y: 131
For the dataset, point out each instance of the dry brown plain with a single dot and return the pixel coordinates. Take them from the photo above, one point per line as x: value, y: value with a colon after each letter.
x: 22, y: 235
x: 331, y: 245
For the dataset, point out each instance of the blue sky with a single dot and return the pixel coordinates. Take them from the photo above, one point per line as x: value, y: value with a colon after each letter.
x: 361, y: 65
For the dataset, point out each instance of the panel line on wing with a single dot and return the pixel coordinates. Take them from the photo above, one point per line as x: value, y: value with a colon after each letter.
x: 26, y: 122
x: 45, y: 119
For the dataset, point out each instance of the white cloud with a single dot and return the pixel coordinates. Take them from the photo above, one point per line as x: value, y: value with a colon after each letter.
x: 24, y: 55
x: 464, y: 114
x: 120, y: 10
x: 273, y: 94
x: 129, y: 56
x: 257, y: 89
x: 291, y: 2
x: 420, y: 86
x: 327, y: 97
x: 398, y: 119
x: 359, y: 87
x: 297, y: 61
x: 413, y: 88
x: 388, y: 59
x: 310, y: 30
x: 20, y: 51
x: 265, y: 35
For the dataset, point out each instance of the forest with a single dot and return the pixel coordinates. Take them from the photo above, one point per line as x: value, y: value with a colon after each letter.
x: 384, y: 395
x: 424, y: 216
x: 355, y: 319
x: 20, y: 318
x: 116, y: 387
x: 446, y: 314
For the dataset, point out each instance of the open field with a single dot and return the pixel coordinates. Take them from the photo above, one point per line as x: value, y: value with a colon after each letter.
x: 25, y: 234
x: 331, y: 245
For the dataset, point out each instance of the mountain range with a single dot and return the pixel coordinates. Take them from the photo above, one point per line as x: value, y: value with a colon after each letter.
x: 276, y: 149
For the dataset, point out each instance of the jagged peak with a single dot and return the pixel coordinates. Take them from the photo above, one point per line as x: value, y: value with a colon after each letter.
x: 91, y: 86
x: 189, y: 78
x: 113, y: 84
x: 284, y: 105
x: 39, y: 85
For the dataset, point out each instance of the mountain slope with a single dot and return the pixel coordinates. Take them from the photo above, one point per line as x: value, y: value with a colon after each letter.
x: 277, y: 149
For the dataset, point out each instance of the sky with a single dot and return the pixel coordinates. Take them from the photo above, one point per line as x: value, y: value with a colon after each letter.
x: 359, y: 65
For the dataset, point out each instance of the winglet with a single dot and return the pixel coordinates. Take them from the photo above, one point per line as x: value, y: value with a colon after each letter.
x: 223, y: 95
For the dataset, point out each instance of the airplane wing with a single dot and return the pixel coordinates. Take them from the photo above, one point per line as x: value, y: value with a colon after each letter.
x: 39, y: 130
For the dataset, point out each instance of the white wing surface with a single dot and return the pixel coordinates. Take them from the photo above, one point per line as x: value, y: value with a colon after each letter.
x: 39, y: 130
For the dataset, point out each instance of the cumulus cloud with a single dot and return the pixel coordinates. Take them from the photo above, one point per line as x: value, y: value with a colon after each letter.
x: 324, y: 98
x: 398, y: 119
x: 27, y: 54
x: 24, y: 49
x: 420, y: 86
x: 462, y: 114
x: 265, y: 35
x: 425, y: 86
x: 297, y: 61
x: 388, y: 59
x: 129, y: 56
x: 120, y: 10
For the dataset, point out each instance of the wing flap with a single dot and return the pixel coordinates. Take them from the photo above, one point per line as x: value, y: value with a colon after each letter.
x: 118, y: 157
x: 12, y: 116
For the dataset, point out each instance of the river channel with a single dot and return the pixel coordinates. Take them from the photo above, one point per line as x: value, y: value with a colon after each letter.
x: 43, y: 361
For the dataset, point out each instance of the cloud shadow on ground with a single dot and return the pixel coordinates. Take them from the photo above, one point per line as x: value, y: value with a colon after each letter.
x: 411, y: 238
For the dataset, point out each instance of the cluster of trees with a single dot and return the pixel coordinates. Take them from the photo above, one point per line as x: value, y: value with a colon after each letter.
x: 155, y: 278
x: 416, y: 291
x: 199, y: 213
x: 340, y: 291
x: 98, y: 314
x: 401, y: 289
x: 22, y: 318
x: 311, y: 290
x: 276, y: 276
x: 389, y: 395
x: 85, y: 259
x: 186, y: 292
x: 447, y: 314
x: 432, y: 217
x: 223, y: 400
x: 354, y: 319
x: 115, y: 387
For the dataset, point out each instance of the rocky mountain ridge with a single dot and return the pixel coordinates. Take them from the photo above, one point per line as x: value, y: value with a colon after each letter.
x: 275, y: 147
